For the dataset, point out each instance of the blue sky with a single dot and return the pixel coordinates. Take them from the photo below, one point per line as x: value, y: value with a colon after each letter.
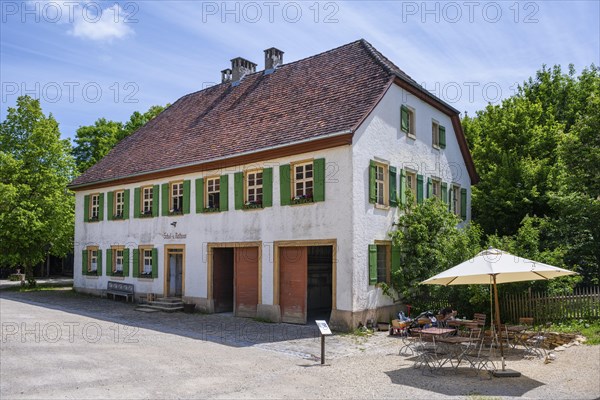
x: 93, y: 59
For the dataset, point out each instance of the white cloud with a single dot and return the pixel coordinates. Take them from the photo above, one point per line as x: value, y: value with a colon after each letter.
x: 101, y: 24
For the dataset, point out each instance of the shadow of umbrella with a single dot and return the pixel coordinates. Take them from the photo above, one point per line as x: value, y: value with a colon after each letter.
x: 462, y: 382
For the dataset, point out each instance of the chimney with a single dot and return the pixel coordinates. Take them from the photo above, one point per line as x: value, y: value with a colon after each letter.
x: 226, y: 75
x: 273, y: 58
x: 241, y: 67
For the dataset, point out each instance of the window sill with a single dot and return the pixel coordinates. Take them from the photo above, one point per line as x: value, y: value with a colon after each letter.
x: 302, y: 201
x: 117, y: 277
x: 146, y: 216
x: 436, y: 147
x: 211, y: 210
x: 93, y: 220
x: 382, y: 206
x: 145, y: 279
x: 175, y: 213
x: 411, y: 136
x: 91, y: 276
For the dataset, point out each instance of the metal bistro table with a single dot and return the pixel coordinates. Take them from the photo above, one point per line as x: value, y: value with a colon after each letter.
x: 430, y: 356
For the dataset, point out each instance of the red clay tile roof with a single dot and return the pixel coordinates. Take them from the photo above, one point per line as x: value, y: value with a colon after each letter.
x: 324, y: 94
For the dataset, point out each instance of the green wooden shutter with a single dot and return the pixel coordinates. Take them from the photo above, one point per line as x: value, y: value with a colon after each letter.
x: 450, y: 199
x: 268, y: 187
x: 419, y: 189
x: 200, y: 195
x: 372, y: 182
x: 109, y: 271
x: 136, y: 202
x: 319, y: 179
x: 442, y: 137
x: 109, y: 206
x: 285, y: 194
x: 224, y: 193
x: 136, y: 263
x: 463, y: 203
x: 402, y: 187
x: 155, y: 263
x: 395, y: 261
x: 238, y: 190
x: 84, y: 262
x: 444, y: 192
x: 155, y: 200
x: 86, y: 208
x: 429, y: 188
x: 125, y: 262
x: 99, y: 269
x: 165, y: 199
x: 126, y: 204
x: 372, y: 264
x: 392, y: 187
x: 404, y: 124
x: 101, y: 207
x: 186, y: 196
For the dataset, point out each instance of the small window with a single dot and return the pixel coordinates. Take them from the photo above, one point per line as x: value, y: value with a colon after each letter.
x: 176, y: 199
x: 213, y: 191
x: 382, y: 263
x: 436, y: 187
x: 94, y: 207
x: 408, y: 121
x: 303, y: 181
x: 117, y: 254
x: 254, y: 188
x: 456, y: 199
x: 411, y: 184
x: 147, y: 194
x: 119, y: 203
x: 145, y: 262
x: 381, y: 175
x: 93, y: 260
x: 435, y: 134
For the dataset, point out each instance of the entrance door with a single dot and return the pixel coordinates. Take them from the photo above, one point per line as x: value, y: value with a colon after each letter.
x: 223, y: 279
x: 175, y: 277
x: 292, y: 284
x: 246, y: 281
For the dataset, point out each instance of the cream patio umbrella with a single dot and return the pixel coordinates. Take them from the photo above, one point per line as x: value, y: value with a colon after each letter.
x: 493, y: 266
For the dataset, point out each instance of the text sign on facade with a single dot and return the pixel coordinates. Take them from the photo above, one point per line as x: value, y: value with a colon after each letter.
x: 323, y: 327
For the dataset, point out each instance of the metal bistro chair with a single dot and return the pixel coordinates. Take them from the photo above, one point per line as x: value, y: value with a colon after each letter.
x: 535, y: 343
x: 428, y: 356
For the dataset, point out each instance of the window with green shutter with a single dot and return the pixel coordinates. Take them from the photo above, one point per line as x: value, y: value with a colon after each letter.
x: 200, y: 195
x: 319, y: 179
x: 224, y: 195
x: 154, y: 263
x: 155, y: 201
x: 444, y: 189
x: 419, y: 189
x: 285, y: 193
x: 109, y: 260
x: 186, y: 196
x: 372, y: 264
x: 267, y: 187
x: 238, y: 190
x: 393, y: 192
x: 86, y: 208
x: 372, y: 182
x: 84, y: 262
x: 303, y: 182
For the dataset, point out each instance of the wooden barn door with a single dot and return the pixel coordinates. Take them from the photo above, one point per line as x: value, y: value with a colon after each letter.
x: 246, y: 281
x: 292, y: 284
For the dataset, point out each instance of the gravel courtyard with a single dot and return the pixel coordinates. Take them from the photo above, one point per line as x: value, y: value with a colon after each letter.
x: 58, y: 344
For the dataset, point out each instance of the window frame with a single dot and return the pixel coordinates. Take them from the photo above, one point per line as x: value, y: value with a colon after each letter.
x: 412, y: 122
x: 436, y: 186
x: 116, y: 204
x: 247, y: 187
x: 90, y: 250
x: 142, y: 259
x: 172, y: 197
x: 115, y: 257
x: 93, y: 207
x: 456, y: 199
x: 207, y: 193
x: 435, y: 134
x: 385, y: 170
x: 143, y: 200
x: 388, y: 260
x: 411, y: 183
x: 304, y: 198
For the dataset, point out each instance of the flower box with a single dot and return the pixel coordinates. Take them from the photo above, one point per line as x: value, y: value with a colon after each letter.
x: 252, y: 205
x: 302, y: 200
x: 209, y: 210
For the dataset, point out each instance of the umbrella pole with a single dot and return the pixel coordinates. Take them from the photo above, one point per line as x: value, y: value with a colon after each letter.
x: 504, y: 372
x: 498, y: 332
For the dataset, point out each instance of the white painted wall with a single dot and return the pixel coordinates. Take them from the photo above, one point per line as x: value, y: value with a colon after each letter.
x: 380, y: 137
x: 331, y: 219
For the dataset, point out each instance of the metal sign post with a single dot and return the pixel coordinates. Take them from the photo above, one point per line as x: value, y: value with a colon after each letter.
x: 325, y: 331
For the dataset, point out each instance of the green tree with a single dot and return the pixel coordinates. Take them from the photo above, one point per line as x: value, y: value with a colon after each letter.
x: 430, y: 241
x: 36, y: 210
x: 92, y: 142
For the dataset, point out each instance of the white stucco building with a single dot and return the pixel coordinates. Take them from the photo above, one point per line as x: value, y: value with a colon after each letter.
x: 272, y: 194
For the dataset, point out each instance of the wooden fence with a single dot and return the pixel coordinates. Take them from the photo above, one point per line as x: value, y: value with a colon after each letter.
x: 583, y: 303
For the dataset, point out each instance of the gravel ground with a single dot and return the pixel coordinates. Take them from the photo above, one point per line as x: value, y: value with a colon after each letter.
x: 84, y: 347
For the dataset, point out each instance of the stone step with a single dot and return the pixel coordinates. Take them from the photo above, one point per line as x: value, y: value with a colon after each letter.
x: 169, y: 299
x: 160, y: 307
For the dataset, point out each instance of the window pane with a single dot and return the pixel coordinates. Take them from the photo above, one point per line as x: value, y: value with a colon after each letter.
x: 381, y: 263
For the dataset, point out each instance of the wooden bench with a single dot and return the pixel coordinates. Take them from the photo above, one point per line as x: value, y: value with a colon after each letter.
x: 120, y: 289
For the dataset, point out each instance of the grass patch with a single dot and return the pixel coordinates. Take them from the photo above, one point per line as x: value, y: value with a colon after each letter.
x: 588, y: 328
x: 264, y: 320
x: 37, y: 288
